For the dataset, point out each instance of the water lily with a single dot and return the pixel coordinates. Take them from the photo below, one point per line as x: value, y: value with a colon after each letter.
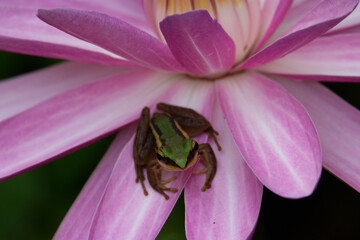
x: 237, y: 62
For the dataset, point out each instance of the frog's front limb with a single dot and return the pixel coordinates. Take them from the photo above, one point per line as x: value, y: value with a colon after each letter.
x: 208, y: 158
x: 144, y: 146
x: 154, y: 174
x: 192, y: 122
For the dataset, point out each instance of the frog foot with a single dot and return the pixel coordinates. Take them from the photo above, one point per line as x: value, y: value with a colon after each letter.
x: 212, y: 134
x: 140, y: 178
x: 207, y: 184
x: 154, y: 173
x: 208, y: 159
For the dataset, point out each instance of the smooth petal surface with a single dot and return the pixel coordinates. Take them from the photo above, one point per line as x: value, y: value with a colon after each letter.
x: 127, y: 10
x: 334, y: 57
x: 23, y: 92
x: 202, y: 48
x: 114, y: 35
x: 298, y: 10
x: 76, y: 117
x: 352, y: 21
x: 272, y: 14
x: 76, y: 225
x: 315, y: 23
x: 124, y: 212
x: 273, y: 132
x: 338, y: 125
x: 21, y: 31
x: 229, y: 210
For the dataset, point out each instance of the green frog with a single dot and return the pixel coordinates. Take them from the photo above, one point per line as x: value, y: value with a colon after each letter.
x: 164, y: 142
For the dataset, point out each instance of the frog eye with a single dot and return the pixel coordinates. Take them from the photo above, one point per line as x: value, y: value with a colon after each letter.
x: 159, y: 157
x: 196, y: 147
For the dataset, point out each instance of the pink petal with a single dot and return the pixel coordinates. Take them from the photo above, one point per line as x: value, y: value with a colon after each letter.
x: 338, y: 125
x: 315, y: 23
x: 272, y: 14
x: 114, y: 35
x: 76, y: 117
x: 21, y: 31
x: 124, y: 212
x: 273, y: 132
x: 228, y: 210
x: 21, y: 93
x: 335, y: 55
x: 352, y: 21
x: 129, y: 11
x: 202, y: 48
x: 297, y: 11
x: 77, y: 222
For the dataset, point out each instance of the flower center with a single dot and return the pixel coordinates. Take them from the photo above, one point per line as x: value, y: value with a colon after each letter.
x: 239, y: 18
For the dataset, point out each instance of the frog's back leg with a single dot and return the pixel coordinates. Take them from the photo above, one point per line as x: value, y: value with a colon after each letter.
x: 144, y: 146
x: 208, y: 159
x: 190, y: 121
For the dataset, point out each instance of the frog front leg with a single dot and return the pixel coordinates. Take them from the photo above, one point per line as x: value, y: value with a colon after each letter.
x: 208, y: 159
x: 144, y: 147
x: 190, y: 121
x: 154, y: 174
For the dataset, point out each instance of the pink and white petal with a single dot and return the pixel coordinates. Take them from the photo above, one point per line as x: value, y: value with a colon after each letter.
x: 338, y: 125
x: 21, y: 31
x: 229, y: 210
x: 234, y: 18
x: 23, y: 92
x: 352, y: 21
x: 202, y: 48
x: 75, y: 117
x: 315, y: 23
x: 113, y: 35
x: 76, y: 225
x: 272, y: 14
x: 298, y: 10
x: 323, y: 59
x: 273, y: 132
x: 129, y: 11
x: 254, y: 8
x: 124, y: 212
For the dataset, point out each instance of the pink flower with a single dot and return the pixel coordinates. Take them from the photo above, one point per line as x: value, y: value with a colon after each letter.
x: 237, y: 71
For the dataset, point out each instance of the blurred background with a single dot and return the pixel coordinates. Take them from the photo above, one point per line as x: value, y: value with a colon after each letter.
x: 33, y: 204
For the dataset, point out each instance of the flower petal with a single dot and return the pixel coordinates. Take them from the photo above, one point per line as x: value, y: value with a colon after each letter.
x: 76, y: 225
x: 352, y: 21
x: 124, y: 212
x: 273, y: 132
x: 297, y: 11
x: 114, y: 35
x: 76, y: 117
x: 202, y: 48
x: 21, y: 93
x: 228, y: 210
x: 129, y: 11
x: 272, y: 14
x: 323, y: 59
x: 21, y: 31
x: 338, y: 125
x: 315, y: 23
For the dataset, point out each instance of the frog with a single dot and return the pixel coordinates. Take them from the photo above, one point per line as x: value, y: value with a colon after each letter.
x: 165, y: 142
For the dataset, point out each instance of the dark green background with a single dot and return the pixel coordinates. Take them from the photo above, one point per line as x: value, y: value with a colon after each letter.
x: 33, y: 204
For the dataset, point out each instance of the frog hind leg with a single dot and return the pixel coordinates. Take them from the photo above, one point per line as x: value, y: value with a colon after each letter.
x: 208, y: 159
x: 144, y: 147
x: 190, y: 121
x: 154, y: 173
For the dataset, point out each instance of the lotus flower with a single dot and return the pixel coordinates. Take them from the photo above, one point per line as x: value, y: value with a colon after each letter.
x: 250, y: 67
